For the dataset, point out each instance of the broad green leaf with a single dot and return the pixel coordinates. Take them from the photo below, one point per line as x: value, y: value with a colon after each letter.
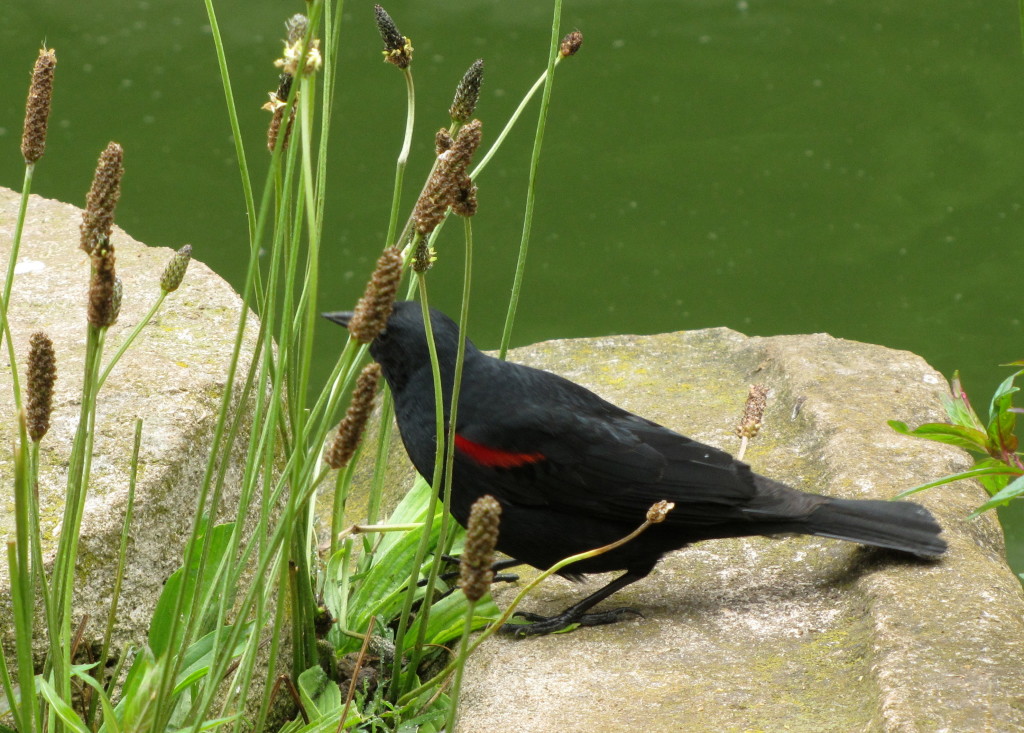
x: 209, y: 724
x: 1005, y: 389
x: 320, y: 694
x: 136, y: 674
x: 160, y: 627
x: 1002, y: 421
x: 1014, y: 489
x: 959, y: 408
x: 987, y: 468
x: 448, y: 618
x: 200, y: 655
x: 110, y: 722
x: 61, y: 708
x: 958, y: 435
x: 333, y: 589
x: 380, y: 588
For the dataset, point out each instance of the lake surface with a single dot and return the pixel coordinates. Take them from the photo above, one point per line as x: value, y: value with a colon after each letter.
x: 848, y: 167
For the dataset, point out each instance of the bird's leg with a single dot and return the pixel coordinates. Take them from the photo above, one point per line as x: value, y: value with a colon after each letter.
x: 577, y: 613
x: 496, y: 568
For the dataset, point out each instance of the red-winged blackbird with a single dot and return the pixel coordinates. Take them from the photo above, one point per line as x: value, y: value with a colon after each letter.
x: 574, y: 472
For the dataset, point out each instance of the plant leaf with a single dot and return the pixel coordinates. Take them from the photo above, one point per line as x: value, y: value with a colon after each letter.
x: 1002, y: 421
x: 448, y: 618
x: 961, y: 436
x: 320, y: 695
x: 983, y: 468
x: 61, y: 708
x: 110, y: 721
x: 159, y: 630
x: 958, y: 407
x: 1014, y: 489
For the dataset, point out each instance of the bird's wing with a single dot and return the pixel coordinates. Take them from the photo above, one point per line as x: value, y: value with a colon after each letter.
x: 602, y: 461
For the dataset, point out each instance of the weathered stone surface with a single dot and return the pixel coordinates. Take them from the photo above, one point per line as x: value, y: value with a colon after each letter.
x: 799, y: 634
x: 173, y: 378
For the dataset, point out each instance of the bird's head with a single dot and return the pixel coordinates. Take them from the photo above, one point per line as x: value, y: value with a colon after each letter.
x: 401, y: 348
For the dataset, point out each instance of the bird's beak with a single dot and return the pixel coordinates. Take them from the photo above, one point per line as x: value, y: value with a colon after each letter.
x: 340, y: 317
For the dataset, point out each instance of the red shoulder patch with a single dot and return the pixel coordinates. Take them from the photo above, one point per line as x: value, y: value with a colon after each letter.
x: 494, y: 457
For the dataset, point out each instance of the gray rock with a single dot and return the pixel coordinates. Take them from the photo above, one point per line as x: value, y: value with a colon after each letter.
x: 801, y: 634
x: 173, y: 378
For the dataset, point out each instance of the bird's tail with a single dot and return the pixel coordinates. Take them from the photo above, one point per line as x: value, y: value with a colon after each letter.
x: 900, y: 525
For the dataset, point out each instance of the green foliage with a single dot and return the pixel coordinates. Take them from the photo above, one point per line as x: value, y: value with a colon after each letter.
x: 997, y: 464
x: 184, y: 582
x: 250, y: 581
x: 993, y: 443
x: 377, y: 591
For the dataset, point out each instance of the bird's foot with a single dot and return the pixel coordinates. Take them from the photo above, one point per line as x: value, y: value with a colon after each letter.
x: 499, y: 577
x: 550, y: 624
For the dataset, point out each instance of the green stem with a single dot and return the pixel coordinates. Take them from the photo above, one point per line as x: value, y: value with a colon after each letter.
x: 131, y: 338
x: 435, y: 483
x: 449, y: 458
x: 22, y: 590
x: 122, y: 555
x: 496, y: 145
x: 12, y: 261
x: 236, y: 130
x: 5, y: 674
x: 36, y: 537
x: 531, y: 196
x: 381, y: 463
x: 304, y: 650
x: 25, y: 709
x: 460, y: 665
x: 77, y: 488
x: 341, y: 485
x: 403, y: 156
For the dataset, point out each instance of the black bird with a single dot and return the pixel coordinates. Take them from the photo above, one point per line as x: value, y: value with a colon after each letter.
x: 574, y: 472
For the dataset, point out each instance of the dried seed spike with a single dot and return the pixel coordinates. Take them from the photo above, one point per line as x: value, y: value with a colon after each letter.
x: 350, y: 430
x: 475, y: 573
x: 175, y: 270
x: 753, y: 411
x: 275, y: 129
x: 42, y: 373
x: 571, y: 44
x: 101, y: 201
x: 449, y: 183
x: 102, y: 286
x: 37, y: 108
x: 467, y: 93
x: 397, y: 48
x: 465, y: 203
x: 374, y: 308
x: 423, y: 257
x: 466, y: 143
x: 442, y: 141
x: 657, y: 513
x: 437, y: 196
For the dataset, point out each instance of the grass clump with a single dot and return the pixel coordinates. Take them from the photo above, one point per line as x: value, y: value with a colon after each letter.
x: 263, y: 626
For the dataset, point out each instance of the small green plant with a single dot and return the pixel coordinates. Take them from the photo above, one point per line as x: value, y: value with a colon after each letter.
x: 997, y: 462
x: 997, y: 465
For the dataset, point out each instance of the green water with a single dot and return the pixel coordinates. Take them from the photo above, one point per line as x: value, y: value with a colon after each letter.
x: 848, y: 167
